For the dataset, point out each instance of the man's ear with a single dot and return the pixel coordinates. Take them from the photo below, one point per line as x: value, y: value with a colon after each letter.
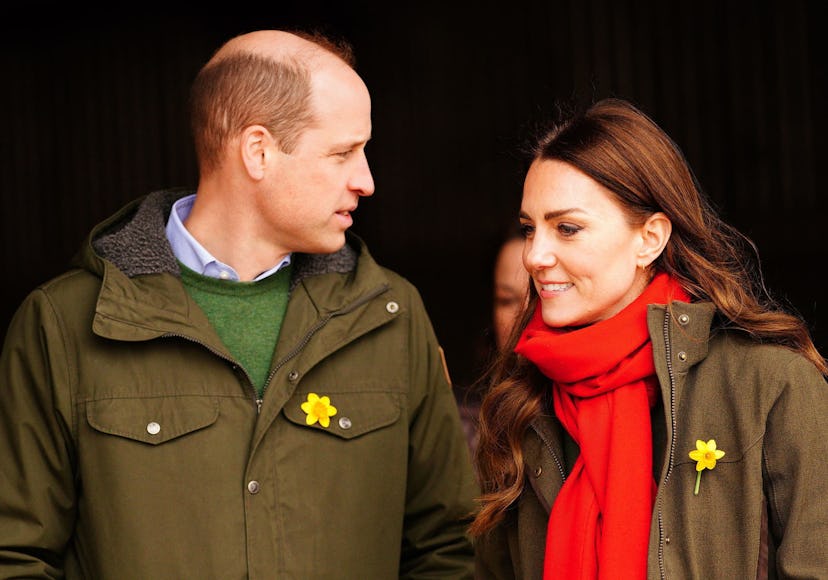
x: 255, y: 144
x: 654, y: 236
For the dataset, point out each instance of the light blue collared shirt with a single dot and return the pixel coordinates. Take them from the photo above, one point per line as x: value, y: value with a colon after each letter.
x: 193, y: 255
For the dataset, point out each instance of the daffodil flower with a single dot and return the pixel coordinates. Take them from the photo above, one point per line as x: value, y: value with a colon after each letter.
x: 705, y: 455
x: 318, y: 409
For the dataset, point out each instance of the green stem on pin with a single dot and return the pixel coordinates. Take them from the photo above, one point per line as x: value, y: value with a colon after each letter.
x: 698, y: 480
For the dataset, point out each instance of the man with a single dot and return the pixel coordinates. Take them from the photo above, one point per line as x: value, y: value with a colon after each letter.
x: 227, y: 385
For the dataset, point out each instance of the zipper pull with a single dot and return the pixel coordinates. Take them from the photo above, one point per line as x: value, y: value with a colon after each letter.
x: 258, y: 406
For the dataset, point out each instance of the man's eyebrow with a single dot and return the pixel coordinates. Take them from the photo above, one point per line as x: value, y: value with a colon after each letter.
x: 351, y: 143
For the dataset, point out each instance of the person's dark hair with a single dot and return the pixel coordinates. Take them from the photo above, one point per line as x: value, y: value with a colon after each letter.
x: 621, y: 148
x: 244, y: 89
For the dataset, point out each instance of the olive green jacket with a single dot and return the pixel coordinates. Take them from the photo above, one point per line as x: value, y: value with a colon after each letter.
x: 132, y: 445
x: 762, y: 511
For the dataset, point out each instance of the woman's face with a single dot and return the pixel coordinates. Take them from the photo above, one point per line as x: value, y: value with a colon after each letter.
x: 510, y: 284
x: 582, y: 254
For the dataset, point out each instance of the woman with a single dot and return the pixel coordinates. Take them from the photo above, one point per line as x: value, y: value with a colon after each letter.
x: 657, y: 414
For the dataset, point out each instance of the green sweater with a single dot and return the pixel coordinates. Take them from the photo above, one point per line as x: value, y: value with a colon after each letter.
x: 247, y: 316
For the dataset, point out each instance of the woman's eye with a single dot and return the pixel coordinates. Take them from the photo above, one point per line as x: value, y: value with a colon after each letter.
x: 568, y: 229
x: 526, y: 230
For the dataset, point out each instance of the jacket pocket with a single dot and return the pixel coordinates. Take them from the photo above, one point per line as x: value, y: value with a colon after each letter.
x: 152, y: 420
x: 356, y: 413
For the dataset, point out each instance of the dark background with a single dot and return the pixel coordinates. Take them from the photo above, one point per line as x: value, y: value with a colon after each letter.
x: 94, y: 114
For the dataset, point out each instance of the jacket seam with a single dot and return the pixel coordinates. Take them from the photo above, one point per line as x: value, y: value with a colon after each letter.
x: 772, y: 495
x: 71, y: 373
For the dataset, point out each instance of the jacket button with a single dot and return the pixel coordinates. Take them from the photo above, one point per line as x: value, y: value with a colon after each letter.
x: 682, y: 356
x: 253, y: 487
x: 683, y: 319
x: 345, y: 422
x: 667, y: 540
x: 392, y: 307
x: 153, y: 428
x: 538, y: 471
x: 293, y: 375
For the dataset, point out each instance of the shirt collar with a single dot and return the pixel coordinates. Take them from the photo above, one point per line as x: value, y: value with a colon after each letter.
x: 193, y: 255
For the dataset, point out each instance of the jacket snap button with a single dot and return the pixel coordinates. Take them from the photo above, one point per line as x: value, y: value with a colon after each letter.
x: 538, y: 471
x: 345, y: 422
x: 682, y: 355
x: 683, y: 319
x: 253, y: 487
x: 293, y: 375
x: 667, y: 540
x: 392, y: 307
x: 153, y: 428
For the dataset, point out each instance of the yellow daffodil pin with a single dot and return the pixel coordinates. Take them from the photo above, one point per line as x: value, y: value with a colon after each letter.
x: 705, y: 455
x: 318, y: 409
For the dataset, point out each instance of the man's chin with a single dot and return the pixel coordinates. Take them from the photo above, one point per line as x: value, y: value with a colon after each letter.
x: 329, y: 246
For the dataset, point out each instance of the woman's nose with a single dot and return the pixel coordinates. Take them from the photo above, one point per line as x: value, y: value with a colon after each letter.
x: 538, y: 255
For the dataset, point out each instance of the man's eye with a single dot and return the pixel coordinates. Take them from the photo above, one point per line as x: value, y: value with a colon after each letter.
x: 526, y: 230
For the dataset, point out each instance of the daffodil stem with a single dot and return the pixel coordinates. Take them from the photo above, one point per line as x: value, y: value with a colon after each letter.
x: 698, y: 480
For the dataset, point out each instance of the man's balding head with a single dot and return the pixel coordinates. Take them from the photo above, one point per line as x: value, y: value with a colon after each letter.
x: 280, y: 45
x: 262, y: 77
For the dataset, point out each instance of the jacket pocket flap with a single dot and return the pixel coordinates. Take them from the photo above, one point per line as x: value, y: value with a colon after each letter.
x: 356, y: 413
x: 152, y: 420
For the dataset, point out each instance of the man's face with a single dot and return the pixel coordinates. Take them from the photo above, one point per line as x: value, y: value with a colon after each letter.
x: 313, y: 190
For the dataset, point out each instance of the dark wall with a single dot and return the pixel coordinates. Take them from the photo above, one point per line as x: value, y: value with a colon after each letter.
x: 94, y: 115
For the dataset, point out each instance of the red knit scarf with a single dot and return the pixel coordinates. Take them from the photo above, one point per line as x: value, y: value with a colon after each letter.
x: 604, y: 385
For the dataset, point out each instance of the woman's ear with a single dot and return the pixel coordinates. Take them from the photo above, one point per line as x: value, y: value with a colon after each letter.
x: 254, y: 144
x: 654, y: 236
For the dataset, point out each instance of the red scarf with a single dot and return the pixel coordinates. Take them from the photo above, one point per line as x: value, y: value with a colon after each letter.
x: 604, y: 385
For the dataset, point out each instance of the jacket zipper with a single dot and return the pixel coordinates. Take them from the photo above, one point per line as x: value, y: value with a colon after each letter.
x: 668, y: 348
x: 309, y: 334
x: 236, y: 366
x: 296, y: 349
x: 554, y: 455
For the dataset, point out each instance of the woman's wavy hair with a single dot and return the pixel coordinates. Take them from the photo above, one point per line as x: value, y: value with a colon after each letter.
x: 620, y: 147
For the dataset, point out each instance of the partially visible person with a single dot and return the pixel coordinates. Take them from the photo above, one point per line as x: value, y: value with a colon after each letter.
x: 227, y: 385
x: 510, y: 288
x: 509, y: 293
x: 657, y: 414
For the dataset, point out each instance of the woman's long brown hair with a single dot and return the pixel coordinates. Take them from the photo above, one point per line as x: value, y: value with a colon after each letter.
x: 621, y: 148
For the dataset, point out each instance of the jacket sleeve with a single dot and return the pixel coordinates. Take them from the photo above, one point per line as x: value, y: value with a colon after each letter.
x: 37, y: 493
x: 442, y: 487
x: 795, y: 452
